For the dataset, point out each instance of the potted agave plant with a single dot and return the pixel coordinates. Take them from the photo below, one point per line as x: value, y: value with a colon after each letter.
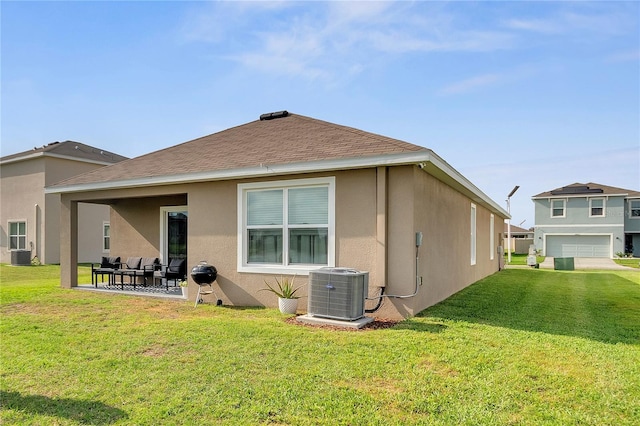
x: 286, y: 292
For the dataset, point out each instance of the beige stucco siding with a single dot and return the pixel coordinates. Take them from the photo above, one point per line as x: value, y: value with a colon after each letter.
x: 213, y: 235
x: 377, y: 214
x: 21, y: 185
x: 444, y: 215
x: 23, y: 199
x: 135, y: 225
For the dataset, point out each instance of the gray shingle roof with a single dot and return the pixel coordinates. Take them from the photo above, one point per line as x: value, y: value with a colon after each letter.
x: 69, y: 149
x: 291, y: 139
x: 591, y: 189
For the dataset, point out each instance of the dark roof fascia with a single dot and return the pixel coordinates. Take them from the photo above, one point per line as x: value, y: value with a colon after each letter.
x: 426, y: 159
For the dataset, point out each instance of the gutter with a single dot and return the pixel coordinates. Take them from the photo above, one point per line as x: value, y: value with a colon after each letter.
x: 426, y: 159
x: 64, y: 157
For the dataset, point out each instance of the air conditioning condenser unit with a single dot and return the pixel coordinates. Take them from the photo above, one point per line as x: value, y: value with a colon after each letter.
x: 338, y: 293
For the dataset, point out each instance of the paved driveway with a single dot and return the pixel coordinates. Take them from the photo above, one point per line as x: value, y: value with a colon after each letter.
x: 587, y: 263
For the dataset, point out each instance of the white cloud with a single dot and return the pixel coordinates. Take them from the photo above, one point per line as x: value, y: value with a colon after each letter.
x: 581, y: 18
x: 334, y: 40
x: 471, y: 84
x: 625, y: 56
x: 535, y: 25
x: 491, y: 79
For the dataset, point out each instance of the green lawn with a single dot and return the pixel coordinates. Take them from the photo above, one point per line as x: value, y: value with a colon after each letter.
x: 632, y: 262
x: 521, y: 259
x: 524, y: 346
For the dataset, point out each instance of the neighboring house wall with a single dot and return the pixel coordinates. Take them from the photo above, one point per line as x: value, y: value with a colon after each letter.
x: 632, y: 224
x: 23, y: 198
x: 366, y: 228
x: 21, y: 186
x: 577, y: 227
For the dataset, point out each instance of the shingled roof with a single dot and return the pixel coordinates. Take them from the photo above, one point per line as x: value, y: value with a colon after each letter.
x: 262, y: 143
x: 586, y: 189
x: 67, y: 149
x: 277, y: 144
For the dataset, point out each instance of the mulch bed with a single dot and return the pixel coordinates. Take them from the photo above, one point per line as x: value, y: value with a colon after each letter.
x: 376, y: 324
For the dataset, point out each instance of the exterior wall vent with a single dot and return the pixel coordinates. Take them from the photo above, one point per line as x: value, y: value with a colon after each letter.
x: 338, y: 293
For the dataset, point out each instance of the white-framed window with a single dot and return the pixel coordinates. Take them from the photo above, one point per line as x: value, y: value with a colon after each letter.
x: 106, y: 236
x: 473, y: 234
x: 634, y: 209
x: 286, y: 226
x: 492, y: 240
x: 18, y: 235
x: 558, y: 208
x: 597, y: 207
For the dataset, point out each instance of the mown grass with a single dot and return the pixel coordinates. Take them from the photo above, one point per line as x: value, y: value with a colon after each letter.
x: 521, y: 259
x: 523, y: 346
x: 632, y: 262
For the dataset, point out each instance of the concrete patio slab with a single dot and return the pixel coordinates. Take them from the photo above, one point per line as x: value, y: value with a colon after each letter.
x: 310, y: 319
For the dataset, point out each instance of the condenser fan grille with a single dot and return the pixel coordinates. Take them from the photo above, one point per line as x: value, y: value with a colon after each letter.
x: 337, y: 293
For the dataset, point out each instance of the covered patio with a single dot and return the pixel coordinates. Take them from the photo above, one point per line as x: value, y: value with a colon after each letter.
x: 176, y: 293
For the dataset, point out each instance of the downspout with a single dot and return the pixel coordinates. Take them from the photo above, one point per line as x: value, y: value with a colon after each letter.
x: 382, y: 256
x: 381, y: 232
x: 37, y: 229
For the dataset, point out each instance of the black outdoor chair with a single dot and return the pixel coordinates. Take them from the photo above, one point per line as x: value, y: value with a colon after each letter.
x: 107, y: 267
x: 127, y: 268
x: 175, y: 271
x: 145, y: 270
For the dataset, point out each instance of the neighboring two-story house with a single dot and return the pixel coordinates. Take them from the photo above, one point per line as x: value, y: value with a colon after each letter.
x: 30, y: 219
x: 587, y: 220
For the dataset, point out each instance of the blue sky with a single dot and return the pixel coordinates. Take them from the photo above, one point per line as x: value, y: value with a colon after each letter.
x: 536, y: 94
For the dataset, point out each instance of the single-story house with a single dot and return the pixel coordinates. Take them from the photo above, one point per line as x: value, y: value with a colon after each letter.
x: 288, y: 194
x: 29, y: 218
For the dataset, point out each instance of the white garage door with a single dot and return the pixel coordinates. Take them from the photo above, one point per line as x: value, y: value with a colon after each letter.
x: 578, y: 246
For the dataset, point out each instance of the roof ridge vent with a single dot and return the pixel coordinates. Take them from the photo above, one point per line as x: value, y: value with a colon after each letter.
x: 273, y: 115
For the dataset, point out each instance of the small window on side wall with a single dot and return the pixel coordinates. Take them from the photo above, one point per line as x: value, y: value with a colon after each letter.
x: 17, y: 235
x: 634, y: 209
x: 106, y: 236
x: 596, y: 207
x: 558, y: 208
x: 473, y: 234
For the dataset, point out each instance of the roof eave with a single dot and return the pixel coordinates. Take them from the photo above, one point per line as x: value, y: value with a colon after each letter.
x: 49, y: 154
x: 590, y: 195
x: 426, y: 159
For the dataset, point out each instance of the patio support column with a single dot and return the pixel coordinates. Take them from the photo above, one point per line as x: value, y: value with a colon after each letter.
x: 381, y: 225
x: 68, y: 242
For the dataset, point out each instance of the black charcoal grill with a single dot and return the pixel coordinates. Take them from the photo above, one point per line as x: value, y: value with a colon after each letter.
x: 204, y: 275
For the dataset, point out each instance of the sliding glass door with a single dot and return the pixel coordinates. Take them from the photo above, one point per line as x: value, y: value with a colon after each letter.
x: 173, y: 232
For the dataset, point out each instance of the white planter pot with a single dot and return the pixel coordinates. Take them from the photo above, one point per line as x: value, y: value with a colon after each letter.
x: 288, y: 306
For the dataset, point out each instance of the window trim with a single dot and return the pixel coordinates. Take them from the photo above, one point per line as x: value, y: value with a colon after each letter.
x: 26, y: 233
x: 564, y: 208
x: 473, y: 231
x: 106, y: 237
x: 604, y: 207
x: 631, y: 208
x: 492, y: 236
x: 244, y: 188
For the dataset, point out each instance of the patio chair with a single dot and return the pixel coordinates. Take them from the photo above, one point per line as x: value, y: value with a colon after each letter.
x: 145, y: 270
x: 175, y: 271
x: 107, y: 267
x: 130, y: 265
